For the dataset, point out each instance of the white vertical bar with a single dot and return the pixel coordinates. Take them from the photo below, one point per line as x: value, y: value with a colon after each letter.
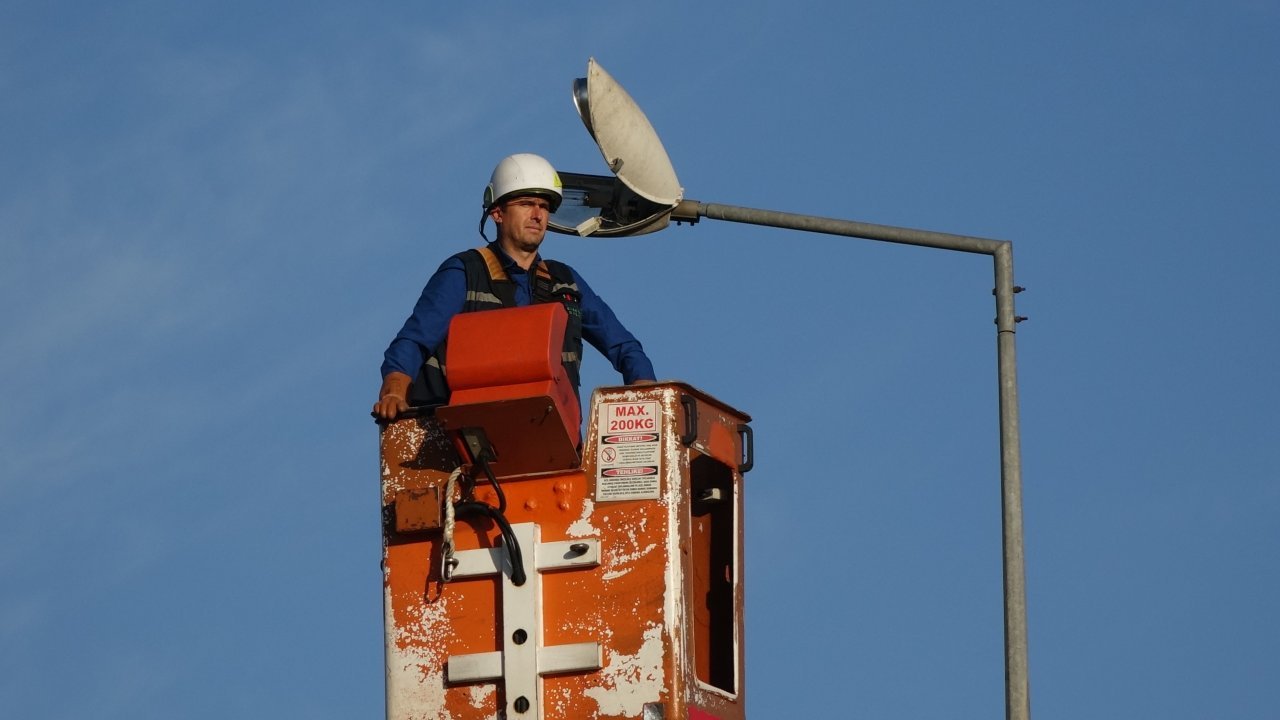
x: 522, y: 611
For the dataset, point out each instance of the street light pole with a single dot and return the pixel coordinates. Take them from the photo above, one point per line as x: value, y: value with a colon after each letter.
x: 644, y: 195
x: 1017, y: 690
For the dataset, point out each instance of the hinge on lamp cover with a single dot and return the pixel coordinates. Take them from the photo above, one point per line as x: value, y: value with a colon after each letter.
x: 590, y: 225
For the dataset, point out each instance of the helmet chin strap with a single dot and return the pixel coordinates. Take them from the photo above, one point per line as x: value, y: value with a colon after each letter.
x: 484, y: 217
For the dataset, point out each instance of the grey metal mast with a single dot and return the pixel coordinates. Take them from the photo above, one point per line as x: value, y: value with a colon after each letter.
x: 1017, y: 690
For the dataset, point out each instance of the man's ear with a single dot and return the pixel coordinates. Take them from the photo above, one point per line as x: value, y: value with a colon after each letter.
x: 495, y: 214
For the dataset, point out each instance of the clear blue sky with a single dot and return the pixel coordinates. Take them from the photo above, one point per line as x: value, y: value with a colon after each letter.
x: 213, y: 216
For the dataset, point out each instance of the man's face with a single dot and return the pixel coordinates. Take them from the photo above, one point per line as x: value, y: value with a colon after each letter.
x: 522, y: 222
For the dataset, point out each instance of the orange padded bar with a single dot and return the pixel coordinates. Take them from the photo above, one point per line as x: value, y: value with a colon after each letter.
x: 506, y: 376
x: 505, y: 347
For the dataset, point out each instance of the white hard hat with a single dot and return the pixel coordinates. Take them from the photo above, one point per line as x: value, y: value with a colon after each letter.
x: 523, y: 174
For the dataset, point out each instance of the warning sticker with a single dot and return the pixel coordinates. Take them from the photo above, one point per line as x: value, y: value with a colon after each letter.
x: 628, y: 451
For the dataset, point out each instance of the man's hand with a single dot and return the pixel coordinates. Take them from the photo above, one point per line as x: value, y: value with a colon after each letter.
x: 391, y: 398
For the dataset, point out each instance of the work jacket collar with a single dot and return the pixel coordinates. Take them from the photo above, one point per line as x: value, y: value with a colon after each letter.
x: 510, y: 265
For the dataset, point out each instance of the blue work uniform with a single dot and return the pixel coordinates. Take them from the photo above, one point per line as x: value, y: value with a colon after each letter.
x: 445, y: 295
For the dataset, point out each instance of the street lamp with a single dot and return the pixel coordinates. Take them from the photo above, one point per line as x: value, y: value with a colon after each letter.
x: 644, y: 195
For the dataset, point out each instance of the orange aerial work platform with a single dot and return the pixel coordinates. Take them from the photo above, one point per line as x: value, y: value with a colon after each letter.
x: 524, y: 580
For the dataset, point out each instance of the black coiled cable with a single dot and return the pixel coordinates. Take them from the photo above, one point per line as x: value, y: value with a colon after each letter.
x: 464, y: 508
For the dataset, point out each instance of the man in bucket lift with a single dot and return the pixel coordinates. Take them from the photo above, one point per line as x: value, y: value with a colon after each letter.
x: 508, y: 272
